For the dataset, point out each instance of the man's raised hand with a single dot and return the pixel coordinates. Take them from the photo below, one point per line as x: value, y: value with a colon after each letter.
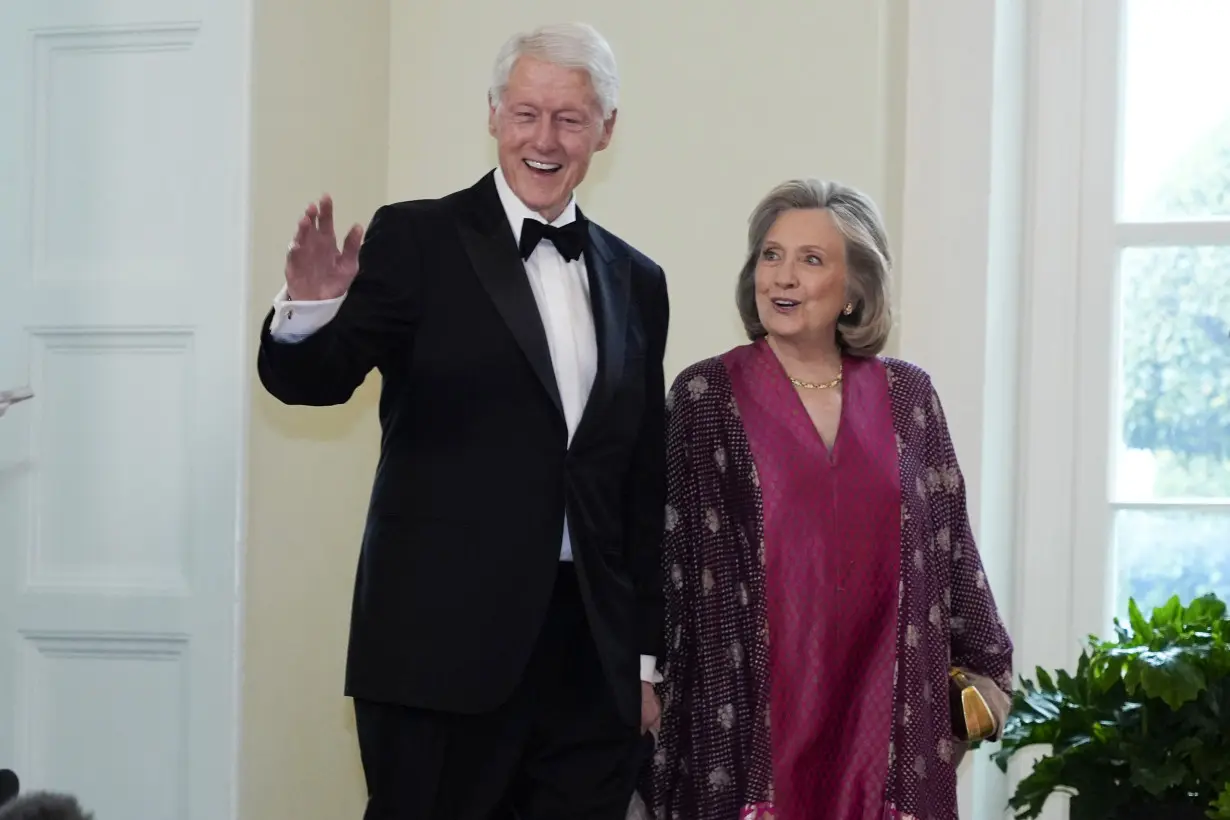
x: 315, y: 269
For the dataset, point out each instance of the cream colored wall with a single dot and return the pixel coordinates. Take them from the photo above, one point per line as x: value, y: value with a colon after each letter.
x: 374, y: 102
x: 720, y: 101
x: 320, y: 124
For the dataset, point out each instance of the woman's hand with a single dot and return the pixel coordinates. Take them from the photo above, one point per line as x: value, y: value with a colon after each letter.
x: 651, y: 709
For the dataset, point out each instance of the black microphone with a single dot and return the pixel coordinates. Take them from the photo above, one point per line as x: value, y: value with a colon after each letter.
x: 9, y: 785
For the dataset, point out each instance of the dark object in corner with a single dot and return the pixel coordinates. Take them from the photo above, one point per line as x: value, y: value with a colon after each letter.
x: 10, y: 786
x: 44, y: 806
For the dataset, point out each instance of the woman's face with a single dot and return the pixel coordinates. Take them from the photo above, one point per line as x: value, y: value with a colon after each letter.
x: 801, y: 276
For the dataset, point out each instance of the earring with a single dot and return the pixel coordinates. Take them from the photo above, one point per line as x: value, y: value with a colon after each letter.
x: 849, y: 308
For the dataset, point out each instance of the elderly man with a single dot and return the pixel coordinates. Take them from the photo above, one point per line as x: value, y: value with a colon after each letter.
x: 508, y: 607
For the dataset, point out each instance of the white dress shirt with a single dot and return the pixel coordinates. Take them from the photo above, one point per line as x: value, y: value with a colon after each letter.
x: 561, y: 290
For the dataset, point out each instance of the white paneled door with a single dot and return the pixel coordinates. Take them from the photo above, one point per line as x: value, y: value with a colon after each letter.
x: 123, y: 189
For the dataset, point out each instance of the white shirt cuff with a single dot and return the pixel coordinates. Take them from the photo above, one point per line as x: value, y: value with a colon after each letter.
x: 649, y: 669
x: 295, y: 321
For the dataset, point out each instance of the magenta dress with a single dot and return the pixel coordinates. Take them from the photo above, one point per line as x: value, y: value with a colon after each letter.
x: 815, y: 599
x: 832, y: 532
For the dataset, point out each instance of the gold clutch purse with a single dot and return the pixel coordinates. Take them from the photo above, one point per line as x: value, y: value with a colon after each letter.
x: 972, y: 719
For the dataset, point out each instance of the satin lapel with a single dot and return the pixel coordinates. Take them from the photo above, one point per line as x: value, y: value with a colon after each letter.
x: 489, y: 242
x: 609, y: 277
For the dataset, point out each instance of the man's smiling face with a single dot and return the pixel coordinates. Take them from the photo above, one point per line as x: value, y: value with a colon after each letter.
x: 548, y: 126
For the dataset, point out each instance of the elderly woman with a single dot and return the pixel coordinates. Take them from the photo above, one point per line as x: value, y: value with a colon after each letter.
x: 823, y: 587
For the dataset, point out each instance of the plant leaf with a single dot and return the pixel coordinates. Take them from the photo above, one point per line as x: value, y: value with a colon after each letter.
x: 1206, y: 610
x: 1170, y: 675
x: 1221, y: 808
x: 1169, y: 614
x: 1143, y: 631
x: 1160, y: 778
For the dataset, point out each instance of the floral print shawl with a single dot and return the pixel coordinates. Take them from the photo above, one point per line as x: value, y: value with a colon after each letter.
x: 713, y: 759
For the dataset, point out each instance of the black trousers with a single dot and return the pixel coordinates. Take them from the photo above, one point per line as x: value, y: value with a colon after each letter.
x: 556, y: 750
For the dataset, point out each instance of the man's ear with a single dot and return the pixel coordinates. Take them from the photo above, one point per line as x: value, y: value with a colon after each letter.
x: 492, y: 110
x: 608, y: 129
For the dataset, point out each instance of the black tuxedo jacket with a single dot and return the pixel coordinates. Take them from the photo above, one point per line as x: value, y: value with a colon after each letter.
x: 465, y: 525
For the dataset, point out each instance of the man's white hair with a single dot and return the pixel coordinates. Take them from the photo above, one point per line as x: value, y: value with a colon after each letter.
x: 570, y: 45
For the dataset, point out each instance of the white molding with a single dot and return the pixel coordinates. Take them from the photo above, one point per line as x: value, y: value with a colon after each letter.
x: 1161, y: 234
x: 235, y: 298
x: 243, y: 67
x: 960, y: 283
x: 1048, y: 371
x: 1209, y: 505
x: 1044, y: 591
x: 1097, y: 328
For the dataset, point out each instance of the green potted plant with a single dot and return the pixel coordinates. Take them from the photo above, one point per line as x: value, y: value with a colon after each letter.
x: 1141, y: 730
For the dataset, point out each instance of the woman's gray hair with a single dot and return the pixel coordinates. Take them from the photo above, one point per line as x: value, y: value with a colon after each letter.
x: 570, y: 45
x: 868, y: 260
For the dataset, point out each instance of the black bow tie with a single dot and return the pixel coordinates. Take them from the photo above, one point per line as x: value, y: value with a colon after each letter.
x: 569, y: 240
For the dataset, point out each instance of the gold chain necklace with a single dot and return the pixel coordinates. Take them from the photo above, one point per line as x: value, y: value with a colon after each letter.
x: 819, y: 386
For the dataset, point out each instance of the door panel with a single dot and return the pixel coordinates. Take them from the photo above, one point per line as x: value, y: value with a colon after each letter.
x: 123, y: 140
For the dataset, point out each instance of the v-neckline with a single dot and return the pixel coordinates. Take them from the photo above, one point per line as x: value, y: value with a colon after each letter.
x: 830, y: 453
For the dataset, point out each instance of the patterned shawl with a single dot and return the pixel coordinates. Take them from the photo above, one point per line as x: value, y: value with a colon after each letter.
x: 713, y: 757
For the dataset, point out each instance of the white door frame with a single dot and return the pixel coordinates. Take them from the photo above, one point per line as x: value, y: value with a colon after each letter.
x: 208, y: 334
x: 972, y: 262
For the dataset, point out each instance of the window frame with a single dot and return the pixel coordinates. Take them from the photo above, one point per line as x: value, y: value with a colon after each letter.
x: 1003, y: 174
x: 999, y: 304
x: 1103, y: 237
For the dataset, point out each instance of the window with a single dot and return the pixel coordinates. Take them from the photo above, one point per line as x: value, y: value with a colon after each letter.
x: 1153, y: 303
